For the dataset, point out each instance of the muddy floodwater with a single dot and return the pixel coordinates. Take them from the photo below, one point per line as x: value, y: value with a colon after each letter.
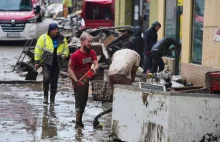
x: 22, y: 103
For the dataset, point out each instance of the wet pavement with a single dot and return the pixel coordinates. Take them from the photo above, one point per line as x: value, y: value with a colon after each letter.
x: 21, y: 104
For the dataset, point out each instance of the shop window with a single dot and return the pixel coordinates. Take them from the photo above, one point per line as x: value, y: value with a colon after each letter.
x: 197, y: 31
x: 96, y: 11
x: 170, y: 22
x: 146, y: 13
x: 170, y: 18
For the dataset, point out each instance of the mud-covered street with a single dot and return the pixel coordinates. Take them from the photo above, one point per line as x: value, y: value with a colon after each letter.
x: 20, y: 104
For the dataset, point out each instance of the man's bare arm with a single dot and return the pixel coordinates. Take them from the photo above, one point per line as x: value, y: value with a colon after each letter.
x: 135, y: 68
x: 133, y: 72
x: 96, y: 65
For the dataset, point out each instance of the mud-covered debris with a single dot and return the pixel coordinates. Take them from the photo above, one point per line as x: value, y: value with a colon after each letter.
x: 105, y: 40
x: 75, y: 42
x: 176, y: 85
x: 210, y: 138
x: 165, y: 78
x: 55, y: 9
x: 178, y: 78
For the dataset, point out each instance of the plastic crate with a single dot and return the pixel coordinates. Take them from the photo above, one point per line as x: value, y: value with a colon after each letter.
x: 101, y: 91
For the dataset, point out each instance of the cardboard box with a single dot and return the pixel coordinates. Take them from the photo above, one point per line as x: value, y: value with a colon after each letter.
x: 108, y: 40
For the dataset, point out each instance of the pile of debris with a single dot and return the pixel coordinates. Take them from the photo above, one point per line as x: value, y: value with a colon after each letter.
x: 174, y: 83
x: 69, y: 26
x: 54, y: 9
x: 210, y: 138
x: 165, y: 78
x: 106, y: 41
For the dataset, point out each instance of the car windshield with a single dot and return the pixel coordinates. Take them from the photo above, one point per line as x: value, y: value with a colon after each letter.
x: 15, y: 5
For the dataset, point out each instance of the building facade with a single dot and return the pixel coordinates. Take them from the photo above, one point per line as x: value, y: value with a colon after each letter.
x: 195, y: 24
x: 132, y: 12
x: 192, y: 22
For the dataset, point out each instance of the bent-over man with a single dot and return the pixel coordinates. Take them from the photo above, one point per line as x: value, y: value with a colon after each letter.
x: 162, y: 48
x: 123, y: 68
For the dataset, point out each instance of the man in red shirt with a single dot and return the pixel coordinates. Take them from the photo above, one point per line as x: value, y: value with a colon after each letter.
x: 79, y: 64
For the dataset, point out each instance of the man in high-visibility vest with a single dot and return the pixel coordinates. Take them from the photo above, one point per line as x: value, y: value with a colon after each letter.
x: 51, y: 49
x: 68, y: 3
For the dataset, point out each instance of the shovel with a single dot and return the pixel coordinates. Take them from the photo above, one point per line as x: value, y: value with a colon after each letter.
x: 32, y: 74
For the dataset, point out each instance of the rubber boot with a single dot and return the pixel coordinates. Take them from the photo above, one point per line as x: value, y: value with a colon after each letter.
x: 80, y: 120
x: 52, y: 100
x: 52, y: 97
x: 45, y: 100
x: 45, y: 97
x: 77, y: 123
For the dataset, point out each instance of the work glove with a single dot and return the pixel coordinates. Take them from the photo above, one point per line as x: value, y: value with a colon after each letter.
x: 148, y: 53
x: 74, y: 83
x: 150, y: 75
x: 63, y: 57
x: 36, y: 66
x: 94, y: 71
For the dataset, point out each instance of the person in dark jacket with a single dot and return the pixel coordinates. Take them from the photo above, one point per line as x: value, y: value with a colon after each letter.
x: 138, y: 42
x: 161, y: 48
x: 150, y: 38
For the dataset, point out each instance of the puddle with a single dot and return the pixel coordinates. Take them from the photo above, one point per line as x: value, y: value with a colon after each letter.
x: 54, y: 123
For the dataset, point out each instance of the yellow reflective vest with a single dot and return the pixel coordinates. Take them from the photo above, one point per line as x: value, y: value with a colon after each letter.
x: 68, y: 3
x: 45, y: 44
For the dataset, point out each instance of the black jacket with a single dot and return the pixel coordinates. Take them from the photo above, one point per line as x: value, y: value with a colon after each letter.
x: 162, y: 47
x: 138, y: 41
x: 150, y: 37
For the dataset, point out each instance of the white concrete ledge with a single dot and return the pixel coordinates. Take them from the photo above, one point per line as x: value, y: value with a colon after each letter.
x: 154, y: 116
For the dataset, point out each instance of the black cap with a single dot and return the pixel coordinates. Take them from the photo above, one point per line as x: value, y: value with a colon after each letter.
x: 52, y: 26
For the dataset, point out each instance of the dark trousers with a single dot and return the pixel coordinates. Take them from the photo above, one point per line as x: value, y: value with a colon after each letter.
x: 147, y: 63
x: 69, y: 10
x: 119, y: 79
x: 142, y: 60
x: 81, y: 97
x: 157, y: 62
x: 50, y: 77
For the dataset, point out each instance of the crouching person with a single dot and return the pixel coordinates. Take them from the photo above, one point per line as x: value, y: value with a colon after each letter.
x: 123, y: 68
x: 160, y: 49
